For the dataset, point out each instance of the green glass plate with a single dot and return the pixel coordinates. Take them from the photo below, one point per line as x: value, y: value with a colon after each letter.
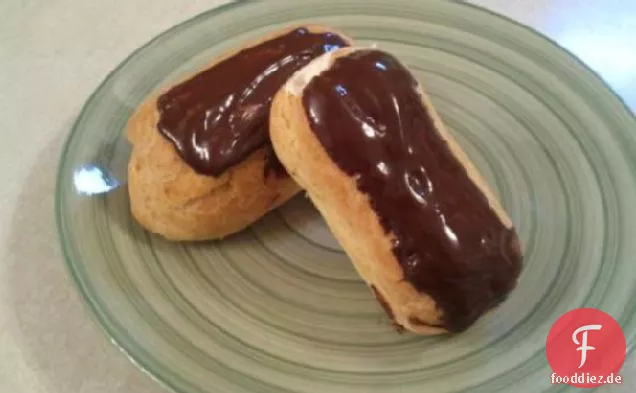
x: 279, y: 308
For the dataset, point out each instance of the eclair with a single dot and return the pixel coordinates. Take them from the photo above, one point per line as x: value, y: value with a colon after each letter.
x: 202, y: 166
x: 357, y: 132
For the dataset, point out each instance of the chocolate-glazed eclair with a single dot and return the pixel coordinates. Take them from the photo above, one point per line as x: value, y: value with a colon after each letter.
x: 422, y: 227
x: 202, y: 166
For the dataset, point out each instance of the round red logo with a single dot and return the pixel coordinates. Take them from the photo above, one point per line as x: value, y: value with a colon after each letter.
x: 586, y: 348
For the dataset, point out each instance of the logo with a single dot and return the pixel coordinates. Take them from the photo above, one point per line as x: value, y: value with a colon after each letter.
x: 586, y: 348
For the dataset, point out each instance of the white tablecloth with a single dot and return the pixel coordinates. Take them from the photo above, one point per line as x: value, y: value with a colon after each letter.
x: 53, y: 54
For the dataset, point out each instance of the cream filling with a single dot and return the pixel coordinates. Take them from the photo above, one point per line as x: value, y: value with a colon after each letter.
x: 297, y: 83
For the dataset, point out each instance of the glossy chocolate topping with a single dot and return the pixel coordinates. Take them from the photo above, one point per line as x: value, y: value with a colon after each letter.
x: 221, y: 115
x: 366, y: 111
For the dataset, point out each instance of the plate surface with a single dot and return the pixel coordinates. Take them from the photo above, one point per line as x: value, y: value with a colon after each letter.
x: 279, y: 307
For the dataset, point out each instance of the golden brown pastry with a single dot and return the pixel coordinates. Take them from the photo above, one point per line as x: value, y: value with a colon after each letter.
x: 420, y: 224
x: 202, y: 166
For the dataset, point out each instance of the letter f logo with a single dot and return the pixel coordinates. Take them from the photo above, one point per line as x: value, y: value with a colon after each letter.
x: 583, y: 344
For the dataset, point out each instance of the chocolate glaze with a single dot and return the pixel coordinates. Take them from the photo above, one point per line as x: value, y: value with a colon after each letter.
x: 366, y: 111
x: 220, y: 116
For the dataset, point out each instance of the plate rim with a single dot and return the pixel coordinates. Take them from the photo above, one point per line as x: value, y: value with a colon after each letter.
x: 69, y: 261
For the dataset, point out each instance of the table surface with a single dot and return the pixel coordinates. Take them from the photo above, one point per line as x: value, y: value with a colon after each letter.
x: 53, y: 54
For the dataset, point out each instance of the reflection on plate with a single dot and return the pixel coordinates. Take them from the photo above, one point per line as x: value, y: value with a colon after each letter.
x: 278, y: 308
